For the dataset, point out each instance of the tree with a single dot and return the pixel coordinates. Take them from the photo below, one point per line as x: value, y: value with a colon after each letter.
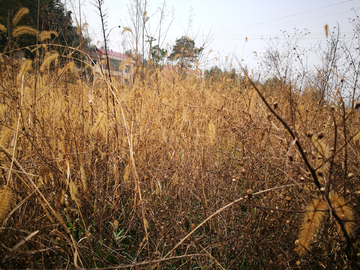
x: 185, y: 52
x: 15, y: 32
x: 52, y: 17
x: 158, y: 54
x: 215, y: 72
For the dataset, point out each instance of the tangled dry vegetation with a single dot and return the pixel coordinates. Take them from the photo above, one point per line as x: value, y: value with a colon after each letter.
x: 173, y: 172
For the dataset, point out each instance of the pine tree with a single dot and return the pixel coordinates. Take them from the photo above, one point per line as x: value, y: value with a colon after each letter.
x: 185, y: 52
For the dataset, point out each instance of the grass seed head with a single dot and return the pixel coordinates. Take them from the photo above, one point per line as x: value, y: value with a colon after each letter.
x: 311, y: 223
x: 6, y: 197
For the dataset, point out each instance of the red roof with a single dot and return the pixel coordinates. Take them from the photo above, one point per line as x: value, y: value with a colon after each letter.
x: 110, y: 53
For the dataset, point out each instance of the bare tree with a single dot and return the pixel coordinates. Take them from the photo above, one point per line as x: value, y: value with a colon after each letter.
x: 340, y: 66
x: 283, y: 59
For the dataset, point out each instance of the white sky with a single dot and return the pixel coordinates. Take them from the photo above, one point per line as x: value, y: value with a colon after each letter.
x: 229, y: 22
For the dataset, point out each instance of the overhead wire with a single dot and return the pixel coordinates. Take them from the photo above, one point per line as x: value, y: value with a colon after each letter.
x: 229, y: 35
x: 252, y: 37
x: 285, y: 17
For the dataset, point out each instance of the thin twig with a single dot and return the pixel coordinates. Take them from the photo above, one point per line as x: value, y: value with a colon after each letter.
x: 219, y: 211
x: 149, y: 262
x: 310, y: 168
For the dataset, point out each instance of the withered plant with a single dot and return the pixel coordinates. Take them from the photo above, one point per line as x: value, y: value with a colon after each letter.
x: 177, y: 172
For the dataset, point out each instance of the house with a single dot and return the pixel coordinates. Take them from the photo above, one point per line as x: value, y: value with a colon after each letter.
x: 121, y: 66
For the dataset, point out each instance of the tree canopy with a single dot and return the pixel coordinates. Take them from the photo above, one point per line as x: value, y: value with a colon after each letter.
x: 217, y: 73
x: 52, y: 17
x: 185, y: 52
x: 158, y: 54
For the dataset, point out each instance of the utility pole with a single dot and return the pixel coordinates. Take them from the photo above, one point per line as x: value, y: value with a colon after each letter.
x: 150, y: 40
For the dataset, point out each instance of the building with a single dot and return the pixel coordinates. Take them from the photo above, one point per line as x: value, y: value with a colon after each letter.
x: 121, y: 66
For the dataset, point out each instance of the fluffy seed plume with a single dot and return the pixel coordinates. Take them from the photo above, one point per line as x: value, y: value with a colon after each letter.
x: 125, y: 29
x: 310, y: 225
x: 44, y: 35
x: 22, y: 30
x: 26, y: 66
x: 125, y: 63
x: 212, y: 132
x: 18, y: 16
x: 344, y: 211
x: 49, y: 58
x: 6, y: 196
x: 2, y: 28
x: 74, y: 193
x: 68, y: 67
x: 253, y: 100
x: 326, y: 30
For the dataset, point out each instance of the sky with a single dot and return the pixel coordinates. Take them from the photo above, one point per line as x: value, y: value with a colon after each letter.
x: 240, y: 28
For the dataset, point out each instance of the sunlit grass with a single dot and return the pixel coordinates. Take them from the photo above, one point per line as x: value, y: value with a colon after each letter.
x: 124, y: 172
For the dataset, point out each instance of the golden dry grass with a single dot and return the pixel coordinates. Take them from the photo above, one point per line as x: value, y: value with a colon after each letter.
x: 157, y: 157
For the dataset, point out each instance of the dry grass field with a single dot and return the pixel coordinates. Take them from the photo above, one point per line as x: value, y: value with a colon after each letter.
x: 174, y: 172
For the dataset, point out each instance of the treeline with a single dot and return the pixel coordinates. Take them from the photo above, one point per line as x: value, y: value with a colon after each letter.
x: 216, y: 73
